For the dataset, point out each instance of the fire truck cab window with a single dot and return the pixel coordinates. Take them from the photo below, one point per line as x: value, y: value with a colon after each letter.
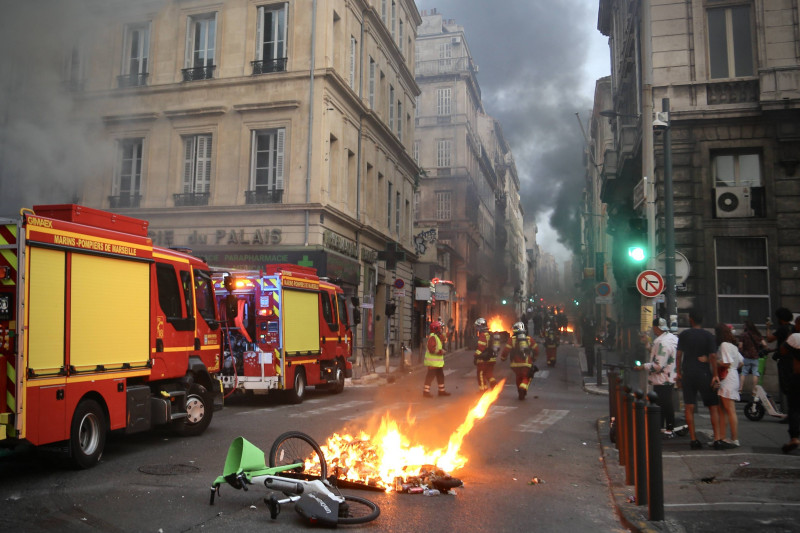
x: 169, y: 297
x: 205, y: 298
x: 327, y: 309
x: 342, y: 310
x: 186, y: 283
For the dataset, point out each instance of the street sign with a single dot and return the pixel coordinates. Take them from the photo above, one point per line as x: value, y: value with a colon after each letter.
x: 682, y: 267
x: 603, y: 289
x: 603, y: 300
x: 650, y: 283
x: 399, y: 283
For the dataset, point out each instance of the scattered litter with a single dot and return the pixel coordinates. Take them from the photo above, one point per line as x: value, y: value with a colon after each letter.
x: 516, y: 449
x: 514, y: 478
x: 253, y: 507
x: 584, y: 444
x: 710, y: 479
x: 536, y: 481
x: 744, y: 464
x: 631, y: 499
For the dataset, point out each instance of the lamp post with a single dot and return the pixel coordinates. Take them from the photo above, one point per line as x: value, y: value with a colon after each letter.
x: 669, y: 217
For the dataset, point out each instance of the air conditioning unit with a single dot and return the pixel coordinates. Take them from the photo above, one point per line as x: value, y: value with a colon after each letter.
x: 455, y: 40
x: 733, y: 202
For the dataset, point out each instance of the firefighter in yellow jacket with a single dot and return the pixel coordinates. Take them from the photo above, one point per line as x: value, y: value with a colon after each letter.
x: 486, y: 352
x: 523, y: 352
x: 434, y: 360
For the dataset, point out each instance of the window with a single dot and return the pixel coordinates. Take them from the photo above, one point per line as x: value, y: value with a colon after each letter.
x: 400, y: 35
x: 391, y: 107
x: 266, y: 166
x: 397, y: 213
x: 353, y: 56
x: 443, y: 153
x: 271, y: 51
x: 443, y: 205
x: 416, y: 205
x: 445, y: 54
x: 400, y: 120
x: 389, y: 206
x: 416, y: 152
x: 394, y: 18
x: 201, y: 36
x: 203, y: 290
x: 443, y: 101
x: 371, y: 83
x: 730, y: 42
x: 328, y: 312
x: 383, y: 11
x: 136, y: 50
x: 74, y: 67
x: 170, y: 297
x: 742, y: 279
x: 737, y: 170
x: 126, y: 188
x: 196, y: 170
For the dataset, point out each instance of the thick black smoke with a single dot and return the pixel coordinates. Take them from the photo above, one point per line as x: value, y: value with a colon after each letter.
x: 532, y: 57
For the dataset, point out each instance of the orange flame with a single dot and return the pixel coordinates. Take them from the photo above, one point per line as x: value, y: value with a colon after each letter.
x: 496, y: 323
x: 377, y: 460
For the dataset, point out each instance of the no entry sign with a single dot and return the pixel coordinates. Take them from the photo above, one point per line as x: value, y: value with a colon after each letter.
x: 650, y: 283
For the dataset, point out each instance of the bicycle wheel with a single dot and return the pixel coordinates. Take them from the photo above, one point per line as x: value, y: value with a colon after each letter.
x: 297, y: 447
x: 357, y: 510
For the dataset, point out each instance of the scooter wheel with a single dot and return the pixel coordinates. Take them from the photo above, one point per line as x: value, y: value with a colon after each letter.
x: 754, y: 411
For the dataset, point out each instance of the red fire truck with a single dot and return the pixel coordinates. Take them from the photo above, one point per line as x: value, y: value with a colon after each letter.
x: 101, y: 331
x: 286, y: 328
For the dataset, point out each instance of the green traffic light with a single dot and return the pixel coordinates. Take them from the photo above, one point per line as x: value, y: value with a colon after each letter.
x: 637, y: 254
x: 504, y: 301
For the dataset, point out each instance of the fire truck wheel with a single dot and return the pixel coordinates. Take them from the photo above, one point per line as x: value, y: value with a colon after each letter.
x: 297, y: 394
x: 199, y: 411
x: 338, y: 385
x: 87, y: 437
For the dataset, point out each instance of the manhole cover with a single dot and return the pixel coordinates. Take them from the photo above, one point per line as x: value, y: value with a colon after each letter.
x: 767, y: 473
x: 168, y: 470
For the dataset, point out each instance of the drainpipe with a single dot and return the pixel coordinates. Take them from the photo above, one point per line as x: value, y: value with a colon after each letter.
x: 360, y: 357
x: 310, y: 114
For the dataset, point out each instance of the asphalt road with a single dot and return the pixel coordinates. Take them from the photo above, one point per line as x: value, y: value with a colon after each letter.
x: 155, y: 482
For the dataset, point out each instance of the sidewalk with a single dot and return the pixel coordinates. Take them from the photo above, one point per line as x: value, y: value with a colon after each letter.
x: 751, y: 488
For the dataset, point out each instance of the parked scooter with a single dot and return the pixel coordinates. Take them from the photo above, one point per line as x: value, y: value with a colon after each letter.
x: 760, y: 403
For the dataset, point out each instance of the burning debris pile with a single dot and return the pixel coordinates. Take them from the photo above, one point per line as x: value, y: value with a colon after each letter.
x: 388, y: 460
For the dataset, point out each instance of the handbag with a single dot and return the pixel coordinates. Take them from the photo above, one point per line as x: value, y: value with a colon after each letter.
x: 722, y: 372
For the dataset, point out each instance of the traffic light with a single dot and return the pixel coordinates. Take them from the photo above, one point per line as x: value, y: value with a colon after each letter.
x: 637, y: 249
x: 504, y: 301
x: 390, y: 308
x: 637, y: 253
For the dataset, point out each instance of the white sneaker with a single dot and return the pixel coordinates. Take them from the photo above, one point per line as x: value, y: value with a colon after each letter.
x: 733, y: 442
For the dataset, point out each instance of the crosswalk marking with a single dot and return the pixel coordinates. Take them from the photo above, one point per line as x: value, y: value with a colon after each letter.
x: 542, y: 421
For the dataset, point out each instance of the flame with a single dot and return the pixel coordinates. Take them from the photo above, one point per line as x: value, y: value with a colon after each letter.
x: 496, y: 323
x: 378, y: 459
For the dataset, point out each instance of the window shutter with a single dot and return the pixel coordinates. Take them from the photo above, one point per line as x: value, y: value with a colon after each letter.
x: 279, y: 159
x: 203, y: 180
x: 187, y: 60
x: 253, y: 159
x: 188, y: 164
x: 260, y: 34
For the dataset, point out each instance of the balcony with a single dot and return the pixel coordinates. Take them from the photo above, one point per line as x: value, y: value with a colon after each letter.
x: 444, y: 66
x: 732, y: 92
x: 269, y: 65
x: 259, y: 196
x: 198, y: 73
x: 124, y: 200
x: 191, y: 199
x: 132, y: 80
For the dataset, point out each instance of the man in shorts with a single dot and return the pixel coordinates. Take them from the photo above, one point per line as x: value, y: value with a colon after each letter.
x: 696, y: 373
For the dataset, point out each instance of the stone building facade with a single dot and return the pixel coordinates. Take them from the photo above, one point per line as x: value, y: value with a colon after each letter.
x: 731, y: 73
x: 258, y: 132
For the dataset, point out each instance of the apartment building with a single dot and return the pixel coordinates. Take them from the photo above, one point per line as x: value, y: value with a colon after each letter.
x: 258, y: 132
x: 469, y: 190
x: 728, y: 72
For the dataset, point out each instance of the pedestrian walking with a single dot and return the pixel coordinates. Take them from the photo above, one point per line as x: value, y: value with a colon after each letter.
x: 696, y: 373
x: 661, y: 371
x: 522, y: 351
x: 434, y: 360
x: 791, y: 350
x: 588, y: 335
x: 781, y: 334
x: 729, y: 361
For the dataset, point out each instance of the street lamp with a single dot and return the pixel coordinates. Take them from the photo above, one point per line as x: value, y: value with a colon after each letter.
x: 663, y: 123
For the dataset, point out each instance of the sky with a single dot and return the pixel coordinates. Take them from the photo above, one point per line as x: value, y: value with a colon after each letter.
x: 538, y: 60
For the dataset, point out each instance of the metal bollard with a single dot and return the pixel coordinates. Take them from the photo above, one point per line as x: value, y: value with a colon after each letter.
x: 629, y: 450
x: 612, y: 395
x: 655, y: 473
x: 640, y: 449
x: 621, y: 438
x: 598, y: 364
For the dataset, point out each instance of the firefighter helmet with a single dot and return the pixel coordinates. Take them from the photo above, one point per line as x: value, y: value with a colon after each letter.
x: 480, y: 324
x: 519, y: 327
x: 436, y: 327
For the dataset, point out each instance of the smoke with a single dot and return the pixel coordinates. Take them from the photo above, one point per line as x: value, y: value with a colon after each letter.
x: 534, y: 76
x: 46, y: 152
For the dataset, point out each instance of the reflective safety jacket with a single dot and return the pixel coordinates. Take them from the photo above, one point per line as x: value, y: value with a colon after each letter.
x: 490, y: 345
x: 434, y: 352
x: 522, y: 350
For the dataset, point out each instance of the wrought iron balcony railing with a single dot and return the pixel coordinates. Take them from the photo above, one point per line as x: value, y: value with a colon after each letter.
x: 124, y: 200
x: 269, y: 65
x: 191, y: 198
x: 273, y: 196
x: 132, y: 80
x: 198, y: 73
